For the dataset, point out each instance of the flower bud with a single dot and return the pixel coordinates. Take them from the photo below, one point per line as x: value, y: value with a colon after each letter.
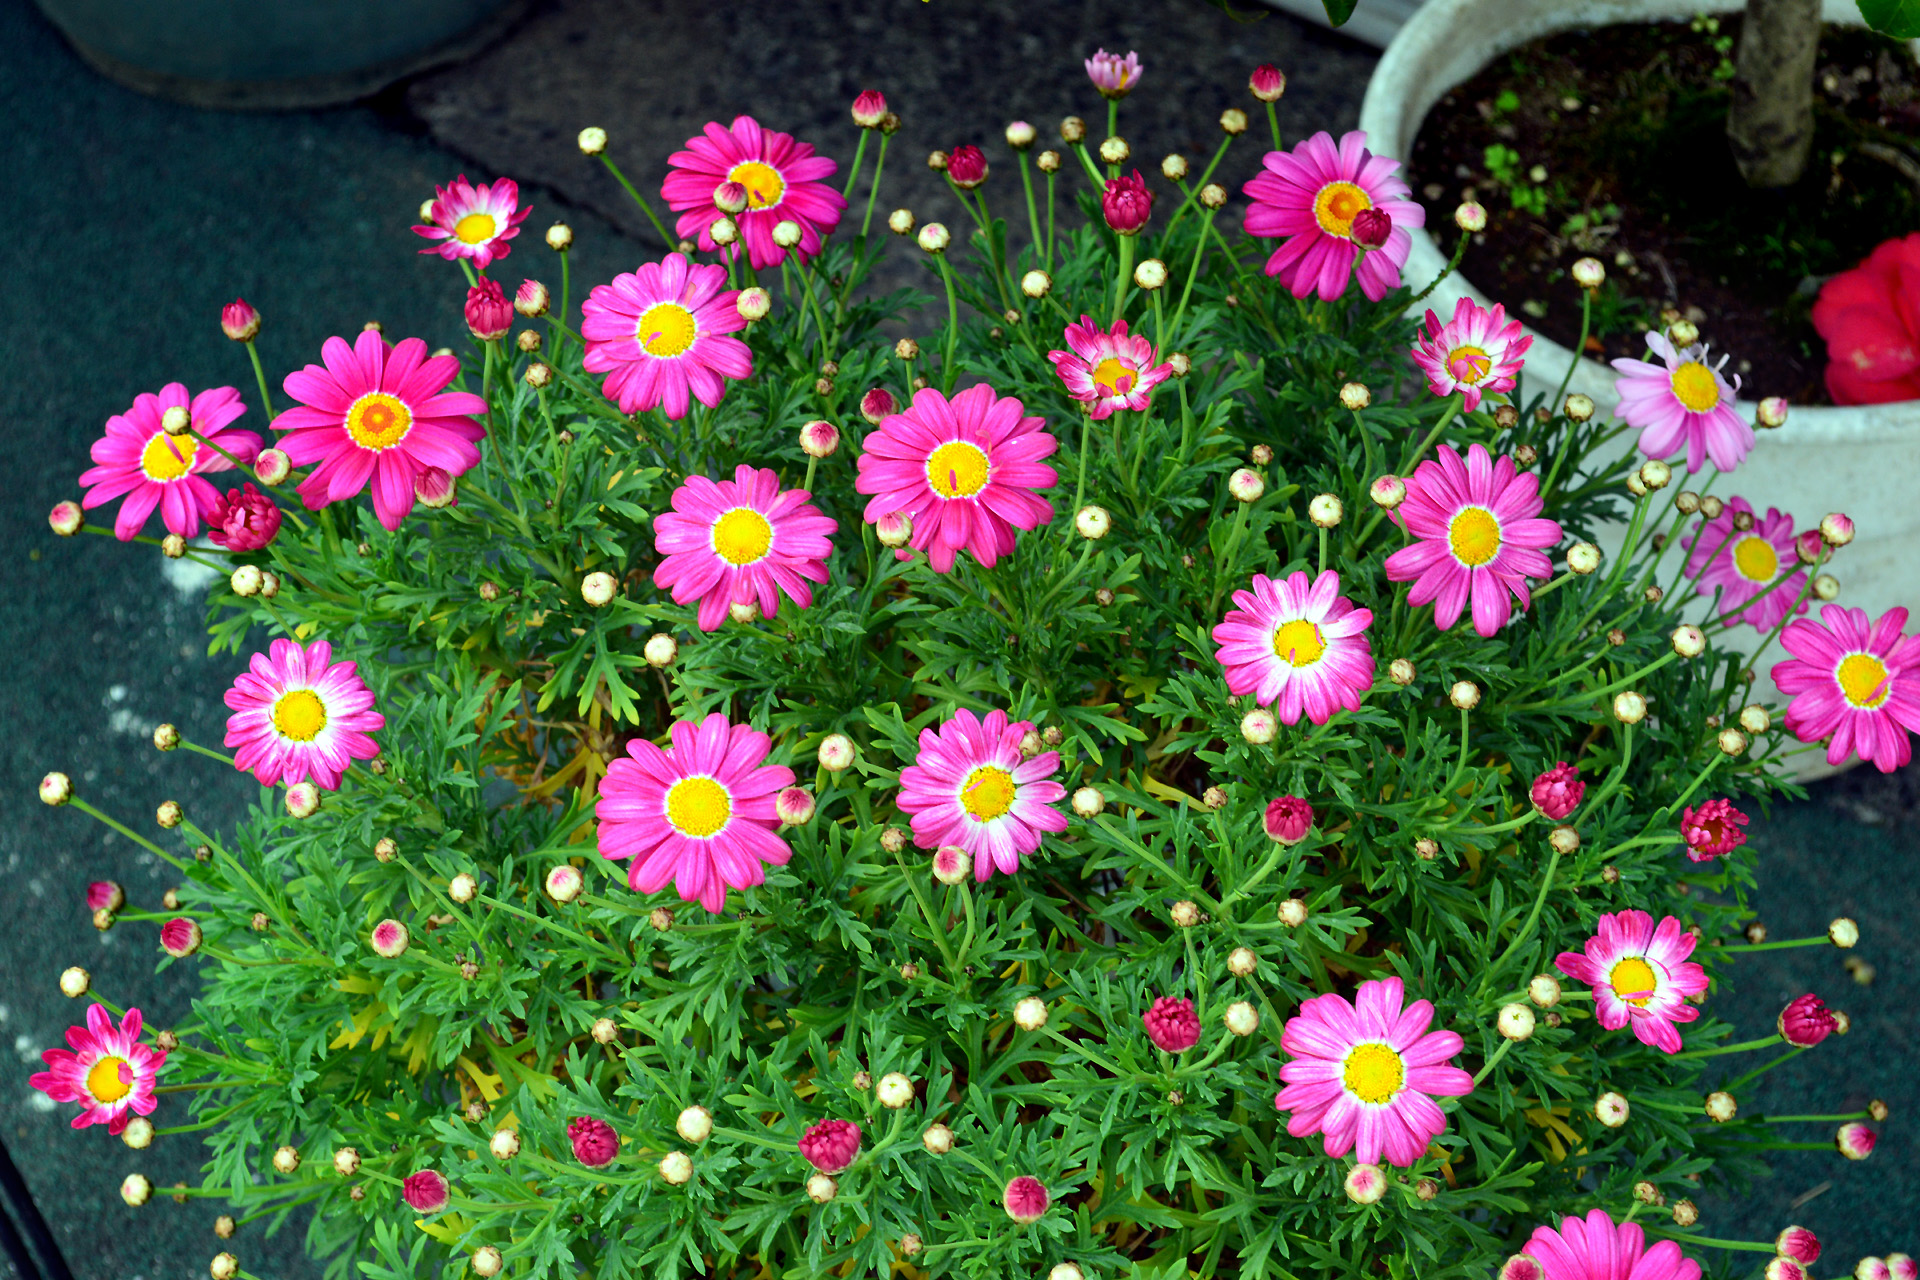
x: 559, y: 237
x: 1213, y: 196
x: 895, y: 1091
x: 462, y: 888
x: 286, y: 1160
x: 597, y: 589
x: 1241, y: 1019
x: 1184, y: 914
x: 1772, y: 412
x: 1589, y: 274
x: 173, y: 546
x: 1246, y: 485
x: 245, y: 580
x: 1648, y: 1194
x: 1366, y: 1184
x: 1355, y: 396
x: 1629, y: 707
x: 1465, y: 695
x: 56, y: 789
x: 1583, y: 558
x: 66, y: 518
x: 1325, y: 511
x: 934, y: 238
x: 1843, y: 933
x: 1656, y: 474
x: 1579, y: 409
x: 1268, y: 82
x: 1026, y: 1199
x: 1258, y: 726
x: 1233, y: 122
x: 1564, y: 840
x: 1470, y: 217
x: 753, y: 304
x: 821, y: 1188
x: 239, y: 321
x: 1150, y: 275
x: 486, y: 1262
x: 1115, y: 151
x: 1515, y: 1022
x: 1047, y: 161
x: 180, y: 937
x: 303, y: 800
x: 1371, y: 229
x: 938, y: 1139
x: 1174, y: 168
x: 1855, y: 1141
x: 223, y: 1267
x: 893, y: 839
x: 1836, y: 530
x: 1721, y: 1107
x: 1292, y: 912
x: 1732, y: 742
x: 389, y: 939
x: 1065, y: 1271
x: 75, y: 982
x: 1089, y: 803
x: 1544, y: 990
x: 787, y: 233
x: 1685, y: 1213
x: 1688, y: 641
x: 676, y: 1168
x: 1241, y: 962
x: 504, y: 1144
x: 1401, y: 672
x: 135, y: 1190
x: 1030, y: 1014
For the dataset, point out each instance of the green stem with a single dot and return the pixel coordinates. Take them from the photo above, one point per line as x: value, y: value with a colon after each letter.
x: 645, y: 208
x: 873, y: 192
x: 1743, y: 1047
x: 1123, y: 280
x: 947, y: 370
x: 260, y: 376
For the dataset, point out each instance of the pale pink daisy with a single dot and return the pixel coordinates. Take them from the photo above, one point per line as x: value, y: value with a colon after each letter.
x: 1365, y: 1075
x: 1639, y: 973
x: 1475, y: 353
x: 1299, y: 647
x: 1855, y: 683
x: 699, y: 813
x: 138, y: 461
x: 784, y: 182
x: 1113, y: 75
x: 970, y: 787
x: 1742, y: 565
x: 298, y: 716
x: 1684, y: 401
x: 962, y: 470
x: 660, y: 336
x: 1107, y: 369
x: 740, y: 540
x: 108, y: 1072
x: 474, y: 222
x: 1598, y: 1249
x: 1311, y: 196
x: 380, y: 415
x: 1478, y: 537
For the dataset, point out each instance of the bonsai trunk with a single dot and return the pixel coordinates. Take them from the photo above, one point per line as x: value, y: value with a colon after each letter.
x: 1770, y: 125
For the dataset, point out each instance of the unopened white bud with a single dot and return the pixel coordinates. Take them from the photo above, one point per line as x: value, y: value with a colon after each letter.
x: 1092, y: 522
x: 593, y: 140
x: 660, y: 650
x: 1325, y: 511
x: 1241, y: 1019
x: 598, y: 589
x: 1515, y: 1022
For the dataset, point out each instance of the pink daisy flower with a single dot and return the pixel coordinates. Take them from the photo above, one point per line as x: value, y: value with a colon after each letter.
x: 1297, y: 647
x: 1365, y: 1075
x: 740, y: 540
x: 1639, y: 973
x: 784, y: 182
x: 381, y: 415
x: 1597, y: 1249
x: 1478, y: 534
x: 1113, y: 75
x: 969, y: 787
x: 1742, y: 565
x: 1311, y: 196
x: 1712, y: 830
x: 659, y: 334
x: 1684, y: 401
x: 962, y: 470
x: 1475, y: 353
x: 141, y: 463
x: 1856, y: 683
x: 109, y: 1072
x: 699, y: 813
x: 298, y: 716
x: 1108, y: 369
x: 474, y: 222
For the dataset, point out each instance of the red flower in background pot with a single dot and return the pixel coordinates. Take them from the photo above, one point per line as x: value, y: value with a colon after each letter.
x: 1870, y: 317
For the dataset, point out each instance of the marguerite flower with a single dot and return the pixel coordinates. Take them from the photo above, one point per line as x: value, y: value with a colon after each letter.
x: 962, y: 470
x: 1479, y: 537
x: 740, y: 540
x: 1742, y: 565
x: 380, y: 415
x: 1311, y: 195
x: 1107, y: 369
x: 1597, y: 1249
x: 1686, y: 402
x: 784, y: 183
x: 109, y: 1072
x: 659, y: 333
x: 970, y: 787
x: 1365, y: 1075
x: 298, y: 716
x: 1858, y: 683
x: 474, y: 222
x: 1297, y: 647
x: 1475, y: 353
x: 1639, y: 973
x: 139, y: 461
x: 699, y: 813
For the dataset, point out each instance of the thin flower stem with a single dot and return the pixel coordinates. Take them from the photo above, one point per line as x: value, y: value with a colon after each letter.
x: 1841, y: 1119
x: 873, y: 191
x: 645, y: 208
x: 260, y: 376
x: 1193, y: 273
x: 1765, y: 1067
x: 1085, y: 1052
x: 207, y: 752
x: 1526, y: 930
x: 1273, y: 125
x: 1705, y: 1242
x: 1779, y: 626
x: 1050, y: 203
x: 1580, y: 348
x: 1446, y: 416
x: 1453, y: 264
x: 1624, y: 682
x: 1743, y: 1047
x: 1492, y: 1062
x: 853, y: 174
x: 936, y: 928
x: 1123, y: 279
x: 140, y: 840
x: 1192, y: 193
x: 1820, y: 940
x: 1560, y: 581
x: 1033, y: 210
x: 947, y: 369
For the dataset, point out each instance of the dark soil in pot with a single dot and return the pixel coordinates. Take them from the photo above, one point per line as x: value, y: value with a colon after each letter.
x: 1611, y: 143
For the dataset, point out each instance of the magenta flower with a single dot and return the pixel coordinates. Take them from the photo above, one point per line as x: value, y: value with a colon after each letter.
x: 299, y: 716
x: 1172, y: 1024
x: 1799, y: 1244
x: 1683, y: 402
x: 1712, y: 830
x: 1804, y: 1023
x: 1476, y: 353
x: 1855, y: 1141
x: 108, y: 1072
x: 1287, y: 820
x: 105, y: 895
x: 784, y: 182
x: 594, y: 1142
x: 239, y: 321
x: 1108, y: 369
x: 831, y: 1145
x: 660, y: 334
x: 244, y: 520
x: 1371, y: 229
x: 1596, y: 1249
x: 426, y: 1192
x: 1113, y: 75
x: 970, y: 787
x: 474, y: 222
x: 1299, y: 648
x: 1558, y: 792
x: 1267, y: 82
x: 1127, y: 204
x: 1025, y: 1199
x: 1639, y: 973
x: 1311, y: 195
x: 138, y: 461
x: 967, y: 166
x: 180, y: 937
x: 489, y: 312
x: 869, y: 109
x: 877, y: 405
x: 1479, y: 537
x: 739, y: 541
x: 963, y: 471
x: 1858, y: 683
x: 1743, y: 565
x: 1364, y: 1075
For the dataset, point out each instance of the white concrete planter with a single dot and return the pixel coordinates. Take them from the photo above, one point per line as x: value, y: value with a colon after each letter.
x: 1863, y: 460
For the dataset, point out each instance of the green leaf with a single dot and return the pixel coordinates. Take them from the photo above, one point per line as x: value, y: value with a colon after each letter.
x: 1897, y: 18
x: 1338, y: 11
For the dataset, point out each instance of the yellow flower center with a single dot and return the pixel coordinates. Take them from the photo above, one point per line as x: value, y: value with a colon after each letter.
x: 989, y: 792
x: 474, y: 228
x: 763, y: 182
x: 1299, y: 642
x: 666, y: 329
x: 1695, y: 386
x: 1633, y: 980
x: 1474, y: 536
x: 698, y: 807
x: 1755, y: 558
x: 958, y: 469
x: 378, y: 421
x: 298, y: 714
x: 168, y: 457
x: 1468, y: 364
x: 1112, y: 378
x: 1374, y: 1073
x: 110, y: 1080
x: 1336, y: 206
x: 742, y: 536
x: 1864, y: 680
